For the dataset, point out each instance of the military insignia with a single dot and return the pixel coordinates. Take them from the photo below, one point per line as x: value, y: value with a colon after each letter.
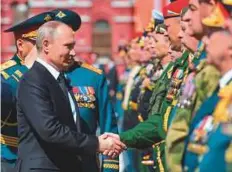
x: 187, y: 93
x: 5, y: 75
x: 203, y: 129
x: 119, y: 96
x: 85, y: 96
x: 47, y: 18
x: 15, y: 77
x: 179, y: 73
x: 61, y: 14
x: 200, y: 135
x: 75, y: 90
x: 87, y: 66
x: 9, y: 140
x: 32, y: 34
x: 8, y: 64
x: 18, y: 73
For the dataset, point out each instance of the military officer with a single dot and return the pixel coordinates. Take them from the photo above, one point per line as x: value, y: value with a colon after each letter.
x: 151, y: 67
x: 140, y: 93
x: 190, y: 43
x: 209, y: 137
x: 90, y: 90
x: 152, y: 130
x: 13, y: 70
x: 199, y: 85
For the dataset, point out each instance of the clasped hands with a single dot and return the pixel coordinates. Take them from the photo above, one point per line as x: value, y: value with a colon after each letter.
x: 110, y: 145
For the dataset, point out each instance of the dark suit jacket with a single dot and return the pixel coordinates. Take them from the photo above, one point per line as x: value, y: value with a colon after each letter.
x: 48, y: 136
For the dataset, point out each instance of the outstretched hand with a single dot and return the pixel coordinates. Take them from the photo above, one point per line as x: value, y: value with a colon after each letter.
x: 110, y: 145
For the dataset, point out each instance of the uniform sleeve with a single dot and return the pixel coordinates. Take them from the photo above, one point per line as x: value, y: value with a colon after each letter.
x: 145, y: 134
x: 107, y: 121
x: 151, y: 131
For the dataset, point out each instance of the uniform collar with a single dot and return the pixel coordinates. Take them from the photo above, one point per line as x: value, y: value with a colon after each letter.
x: 18, y: 59
x: 225, y: 79
x: 55, y: 73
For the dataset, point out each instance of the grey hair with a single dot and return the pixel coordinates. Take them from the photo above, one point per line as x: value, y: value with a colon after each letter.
x: 47, y: 30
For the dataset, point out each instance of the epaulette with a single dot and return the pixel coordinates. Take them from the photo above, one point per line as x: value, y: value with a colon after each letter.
x: 5, y: 75
x: 87, y: 66
x: 8, y: 64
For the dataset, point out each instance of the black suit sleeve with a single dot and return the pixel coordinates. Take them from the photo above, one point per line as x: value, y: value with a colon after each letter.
x: 35, y: 102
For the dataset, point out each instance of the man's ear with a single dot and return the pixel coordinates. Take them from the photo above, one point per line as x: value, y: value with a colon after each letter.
x: 46, y: 45
x: 20, y: 44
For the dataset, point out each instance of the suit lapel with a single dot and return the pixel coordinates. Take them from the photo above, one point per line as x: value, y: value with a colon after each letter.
x: 50, y: 78
x: 55, y: 86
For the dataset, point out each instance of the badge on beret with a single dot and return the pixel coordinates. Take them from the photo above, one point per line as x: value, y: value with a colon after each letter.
x: 47, y: 18
x: 61, y: 14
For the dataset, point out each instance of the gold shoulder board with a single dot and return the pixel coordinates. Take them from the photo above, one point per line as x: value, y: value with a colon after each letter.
x: 87, y: 66
x: 8, y: 64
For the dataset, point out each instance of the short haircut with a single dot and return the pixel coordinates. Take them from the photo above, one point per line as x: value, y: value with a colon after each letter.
x: 47, y: 30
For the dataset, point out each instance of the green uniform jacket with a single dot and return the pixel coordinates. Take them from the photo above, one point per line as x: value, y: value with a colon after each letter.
x: 147, y: 133
x: 152, y: 130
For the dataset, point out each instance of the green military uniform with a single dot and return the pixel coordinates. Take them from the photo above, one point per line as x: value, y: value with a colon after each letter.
x: 146, y: 89
x: 131, y: 137
x: 179, y: 72
x: 152, y: 130
x: 145, y: 93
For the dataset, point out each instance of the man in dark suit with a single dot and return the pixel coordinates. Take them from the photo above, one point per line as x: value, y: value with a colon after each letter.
x: 50, y: 137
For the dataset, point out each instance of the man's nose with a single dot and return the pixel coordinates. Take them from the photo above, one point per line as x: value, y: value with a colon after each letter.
x: 72, y: 52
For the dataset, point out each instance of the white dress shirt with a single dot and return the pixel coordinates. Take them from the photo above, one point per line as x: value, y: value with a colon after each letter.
x: 225, y: 79
x: 56, y: 74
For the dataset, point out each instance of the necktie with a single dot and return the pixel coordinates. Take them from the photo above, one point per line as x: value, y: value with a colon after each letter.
x: 63, y: 84
x: 66, y: 88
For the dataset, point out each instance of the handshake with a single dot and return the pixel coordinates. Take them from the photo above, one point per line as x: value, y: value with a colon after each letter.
x: 110, y: 145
